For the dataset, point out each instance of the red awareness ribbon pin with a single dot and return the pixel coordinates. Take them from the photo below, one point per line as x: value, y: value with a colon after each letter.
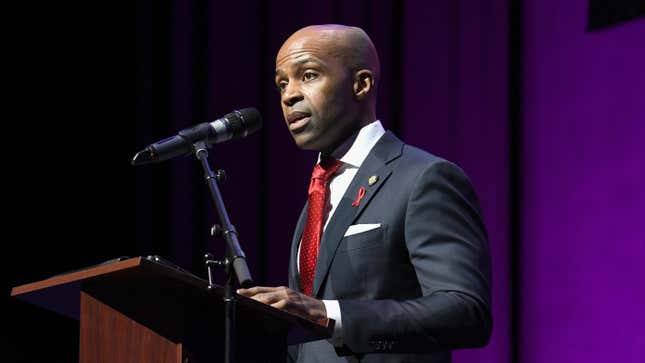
x: 361, y: 194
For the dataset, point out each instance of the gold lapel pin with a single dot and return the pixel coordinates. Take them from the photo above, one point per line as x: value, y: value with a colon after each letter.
x: 372, y: 180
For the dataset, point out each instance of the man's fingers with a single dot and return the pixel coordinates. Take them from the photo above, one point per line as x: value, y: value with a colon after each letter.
x: 286, y: 299
x: 282, y: 304
x: 266, y: 295
x: 253, y: 290
x: 257, y: 290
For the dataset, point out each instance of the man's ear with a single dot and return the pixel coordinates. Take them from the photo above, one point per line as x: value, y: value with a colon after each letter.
x: 363, y: 83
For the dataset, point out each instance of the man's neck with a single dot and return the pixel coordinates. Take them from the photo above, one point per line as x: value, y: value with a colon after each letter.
x: 347, y: 142
x: 374, y: 130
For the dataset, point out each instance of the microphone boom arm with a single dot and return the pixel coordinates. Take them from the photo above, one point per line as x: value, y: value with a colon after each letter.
x: 235, y: 254
x: 235, y: 261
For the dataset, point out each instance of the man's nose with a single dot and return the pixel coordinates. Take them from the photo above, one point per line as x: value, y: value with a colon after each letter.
x: 291, y: 95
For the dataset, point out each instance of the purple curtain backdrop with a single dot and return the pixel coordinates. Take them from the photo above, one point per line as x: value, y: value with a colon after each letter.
x: 583, y: 239
x: 455, y: 105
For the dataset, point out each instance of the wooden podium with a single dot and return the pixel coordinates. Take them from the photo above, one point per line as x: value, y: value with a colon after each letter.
x: 140, y: 310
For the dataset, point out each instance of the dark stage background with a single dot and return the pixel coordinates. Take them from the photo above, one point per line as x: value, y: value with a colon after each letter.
x: 545, y: 117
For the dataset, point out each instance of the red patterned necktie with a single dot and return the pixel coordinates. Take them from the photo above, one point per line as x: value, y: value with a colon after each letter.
x: 318, y: 197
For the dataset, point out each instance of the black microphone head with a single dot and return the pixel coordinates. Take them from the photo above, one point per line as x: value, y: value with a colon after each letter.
x: 239, y: 123
x: 144, y: 156
x: 244, y: 122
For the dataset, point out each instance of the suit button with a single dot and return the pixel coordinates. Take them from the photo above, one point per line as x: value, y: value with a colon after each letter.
x: 377, y: 344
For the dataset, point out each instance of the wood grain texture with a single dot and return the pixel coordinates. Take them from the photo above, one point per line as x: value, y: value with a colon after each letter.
x: 109, y: 336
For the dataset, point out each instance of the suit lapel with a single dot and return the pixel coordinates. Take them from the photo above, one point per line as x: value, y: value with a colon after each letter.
x: 377, y: 164
x: 294, y: 276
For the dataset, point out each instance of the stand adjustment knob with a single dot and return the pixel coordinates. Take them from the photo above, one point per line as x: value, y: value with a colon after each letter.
x: 217, y: 231
x: 220, y: 175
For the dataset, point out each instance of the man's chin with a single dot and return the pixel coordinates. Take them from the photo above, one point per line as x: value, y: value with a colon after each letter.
x: 305, y: 142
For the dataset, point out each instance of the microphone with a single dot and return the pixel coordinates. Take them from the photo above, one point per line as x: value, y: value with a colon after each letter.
x: 237, y: 124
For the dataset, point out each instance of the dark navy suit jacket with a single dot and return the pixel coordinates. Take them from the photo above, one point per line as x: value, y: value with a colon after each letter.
x: 418, y: 286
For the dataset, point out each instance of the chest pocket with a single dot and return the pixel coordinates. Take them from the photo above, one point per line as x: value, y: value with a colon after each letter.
x: 372, y: 238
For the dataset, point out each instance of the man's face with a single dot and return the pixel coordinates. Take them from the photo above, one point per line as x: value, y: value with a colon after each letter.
x: 316, y: 93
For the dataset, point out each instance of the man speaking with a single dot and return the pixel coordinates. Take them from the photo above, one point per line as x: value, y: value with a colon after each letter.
x: 391, y: 242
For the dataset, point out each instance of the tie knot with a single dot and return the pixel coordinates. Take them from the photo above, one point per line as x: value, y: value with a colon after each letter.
x: 326, y: 168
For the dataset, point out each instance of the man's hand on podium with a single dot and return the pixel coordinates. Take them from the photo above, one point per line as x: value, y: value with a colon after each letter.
x: 284, y: 298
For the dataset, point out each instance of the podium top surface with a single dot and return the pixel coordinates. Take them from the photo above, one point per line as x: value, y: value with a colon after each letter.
x: 171, y: 290
x: 76, y: 276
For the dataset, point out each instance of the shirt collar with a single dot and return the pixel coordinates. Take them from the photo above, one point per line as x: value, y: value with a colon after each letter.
x: 355, y: 149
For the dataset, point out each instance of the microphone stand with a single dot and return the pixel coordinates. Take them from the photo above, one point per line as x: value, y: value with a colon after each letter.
x: 235, y: 261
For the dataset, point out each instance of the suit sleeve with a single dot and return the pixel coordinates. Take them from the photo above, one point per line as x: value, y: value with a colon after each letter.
x: 448, y: 247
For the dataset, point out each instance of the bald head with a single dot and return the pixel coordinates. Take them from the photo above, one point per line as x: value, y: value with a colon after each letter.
x: 349, y: 44
x: 327, y: 76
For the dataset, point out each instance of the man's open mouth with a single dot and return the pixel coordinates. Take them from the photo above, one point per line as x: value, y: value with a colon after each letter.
x: 298, y: 120
x: 297, y: 116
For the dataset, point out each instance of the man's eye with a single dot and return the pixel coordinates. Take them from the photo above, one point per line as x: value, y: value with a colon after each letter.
x: 308, y: 76
x: 281, y: 86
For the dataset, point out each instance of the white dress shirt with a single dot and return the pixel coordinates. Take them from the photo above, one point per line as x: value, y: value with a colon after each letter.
x: 351, y: 153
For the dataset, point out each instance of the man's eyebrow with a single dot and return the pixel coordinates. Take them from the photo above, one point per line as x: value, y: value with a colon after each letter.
x: 306, y: 60
x: 300, y: 62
